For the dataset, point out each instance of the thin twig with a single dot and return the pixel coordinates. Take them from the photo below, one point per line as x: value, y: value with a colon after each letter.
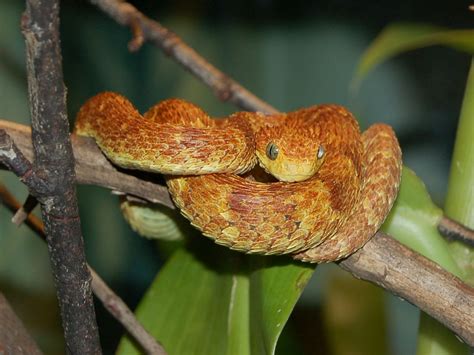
x: 455, y: 230
x: 373, y: 264
x: 137, y: 36
x: 120, y: 311
x: 111, y: 301
x: 225, y: 88
x: 22, y: 213
x: 14, y: 338
x: 54, y: 165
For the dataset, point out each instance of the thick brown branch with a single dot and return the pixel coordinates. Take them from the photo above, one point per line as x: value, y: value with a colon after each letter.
x: 14, y: 338
x: 112, y: 302
x: 54, y: 160
x: 225, y: 88
x: 92, y: 168
x: 387, y: 263
x: 407, y: 274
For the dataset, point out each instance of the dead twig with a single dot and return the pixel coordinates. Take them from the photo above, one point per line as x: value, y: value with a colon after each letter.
x: 225, y: 88
x: 22, y: 213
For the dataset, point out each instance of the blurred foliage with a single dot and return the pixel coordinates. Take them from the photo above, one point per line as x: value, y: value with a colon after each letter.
x: 399, y: 38
x: 411, y: 219
x: 290, y: 54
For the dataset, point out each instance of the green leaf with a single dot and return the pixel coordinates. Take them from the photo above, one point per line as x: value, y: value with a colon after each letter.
x: 434, y: 338
x: 460, y: 196
x: 413, y: 221
x: 398, y: 38
x: 209, y: 300
x: 275, y: 285
x: 414, y: 217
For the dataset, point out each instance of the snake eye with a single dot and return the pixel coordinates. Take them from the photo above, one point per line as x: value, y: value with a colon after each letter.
x: 272, y: 151
x: 321, y: 152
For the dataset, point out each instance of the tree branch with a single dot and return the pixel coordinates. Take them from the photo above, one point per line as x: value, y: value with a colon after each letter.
x: 455, y: 231
x: 407, y: 274
x: 111, y: 301
x: 382, y: 260
x: 145, y: 29
x: 14, y: 338
x: 92, y: 168
x: 54, y: 172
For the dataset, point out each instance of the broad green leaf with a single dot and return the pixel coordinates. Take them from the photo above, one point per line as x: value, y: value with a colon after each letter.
x: 209, y: 300
x: 413, y: 220
x: 460, y: 196
x: 275, y: 285
x: 398, y: 38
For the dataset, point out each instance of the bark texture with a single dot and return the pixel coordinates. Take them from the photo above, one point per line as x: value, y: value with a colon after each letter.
x: 54, y: 183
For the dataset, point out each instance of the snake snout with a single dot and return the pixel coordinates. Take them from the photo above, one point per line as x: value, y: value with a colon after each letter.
x: 291, y: 171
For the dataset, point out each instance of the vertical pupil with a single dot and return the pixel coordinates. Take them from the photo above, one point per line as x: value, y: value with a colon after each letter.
x: 272, y: 151
x: 320, y: 152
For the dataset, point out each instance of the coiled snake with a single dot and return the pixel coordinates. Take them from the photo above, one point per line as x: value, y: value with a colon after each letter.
x: 335, y: 188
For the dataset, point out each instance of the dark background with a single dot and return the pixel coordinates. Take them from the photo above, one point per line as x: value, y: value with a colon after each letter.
x: 291, y: 54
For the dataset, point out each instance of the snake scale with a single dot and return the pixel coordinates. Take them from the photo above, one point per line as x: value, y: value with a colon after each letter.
x: 334, y: 185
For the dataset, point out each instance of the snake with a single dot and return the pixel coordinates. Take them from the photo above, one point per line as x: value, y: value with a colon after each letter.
x: 307, y: 183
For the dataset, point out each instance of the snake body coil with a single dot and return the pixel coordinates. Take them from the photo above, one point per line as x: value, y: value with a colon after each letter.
x: 338, y: 185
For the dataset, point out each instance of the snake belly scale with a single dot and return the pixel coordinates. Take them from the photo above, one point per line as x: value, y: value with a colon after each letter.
x: 336, y: 185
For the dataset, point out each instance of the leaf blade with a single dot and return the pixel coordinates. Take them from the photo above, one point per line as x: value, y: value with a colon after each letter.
x: 209, y: 300
x: 398, y: 38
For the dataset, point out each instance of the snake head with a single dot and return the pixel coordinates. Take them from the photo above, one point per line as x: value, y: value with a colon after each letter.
x: 288, y: 155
